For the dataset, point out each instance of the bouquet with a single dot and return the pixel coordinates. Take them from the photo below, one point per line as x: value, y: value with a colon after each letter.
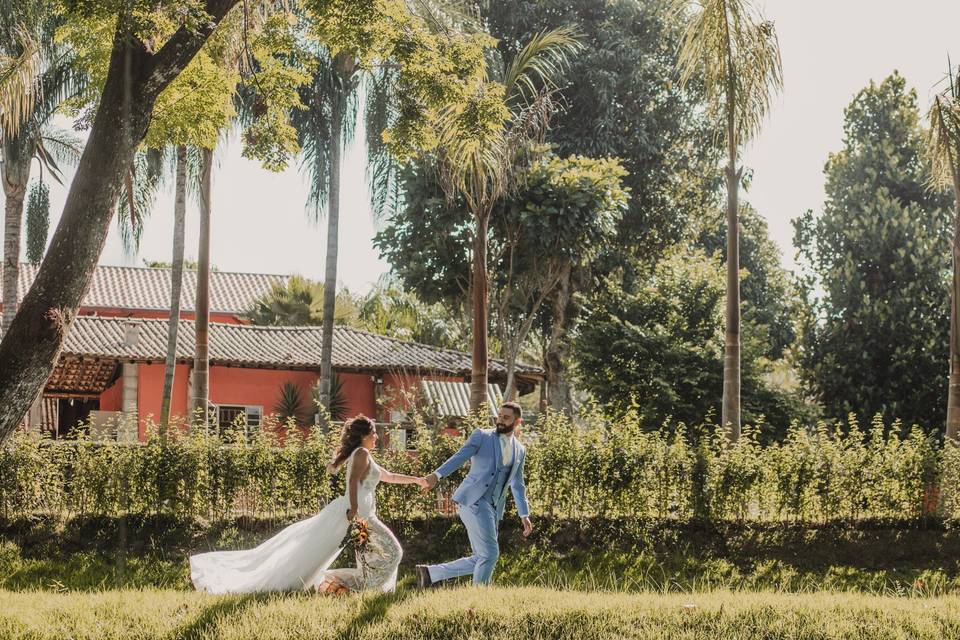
x: 358, y: 538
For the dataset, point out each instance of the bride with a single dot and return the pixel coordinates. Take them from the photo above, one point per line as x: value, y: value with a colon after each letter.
x: 299, y: 557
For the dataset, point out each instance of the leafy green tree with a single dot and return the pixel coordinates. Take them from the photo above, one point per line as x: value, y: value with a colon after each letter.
x: 561, y: 217
x: 656, y: 345
x: 878, y: 263
x: 484, y: 145
x: 622, y: 98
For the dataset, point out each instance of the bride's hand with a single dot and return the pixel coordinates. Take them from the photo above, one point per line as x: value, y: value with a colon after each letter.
x: 422, y: 483
x: 351, y: 514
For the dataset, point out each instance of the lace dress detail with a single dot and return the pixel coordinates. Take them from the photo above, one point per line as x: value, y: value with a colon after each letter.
x: 376, y: 568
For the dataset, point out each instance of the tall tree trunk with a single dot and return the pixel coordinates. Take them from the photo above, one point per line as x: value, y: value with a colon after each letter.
x: 176, y: 285
x: 514, y: 343
x: 333, y: 237
x: 15, y: 174
x: 953, y: 394
x: 559, y: 395
x: 730, y: 410
x: 32, y: 344
x: 479, y: 289
x: 201, y: 358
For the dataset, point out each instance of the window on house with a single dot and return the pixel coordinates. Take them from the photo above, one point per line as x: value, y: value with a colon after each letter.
x: 403, y: 438
x: 239, y: 419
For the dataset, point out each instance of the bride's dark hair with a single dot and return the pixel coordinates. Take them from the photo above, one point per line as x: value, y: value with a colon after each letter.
x: 353, y: 433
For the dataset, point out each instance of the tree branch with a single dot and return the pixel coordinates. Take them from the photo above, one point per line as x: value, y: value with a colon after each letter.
x: 184, y: 44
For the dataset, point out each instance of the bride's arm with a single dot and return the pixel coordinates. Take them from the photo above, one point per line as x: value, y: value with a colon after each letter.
x: 398, y: 478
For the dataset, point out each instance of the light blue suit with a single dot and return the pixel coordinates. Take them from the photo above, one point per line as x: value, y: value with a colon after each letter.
x: 481, y: 499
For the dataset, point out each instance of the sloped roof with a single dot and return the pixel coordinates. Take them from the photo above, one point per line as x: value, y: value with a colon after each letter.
x: 452, y: 399
x: 268, y: 347
x: 148, y: 289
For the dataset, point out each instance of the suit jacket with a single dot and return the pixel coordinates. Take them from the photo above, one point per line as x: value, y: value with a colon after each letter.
x: 483, y: 450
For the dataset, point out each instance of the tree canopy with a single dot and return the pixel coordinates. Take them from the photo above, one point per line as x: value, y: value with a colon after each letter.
x: 878, y: 265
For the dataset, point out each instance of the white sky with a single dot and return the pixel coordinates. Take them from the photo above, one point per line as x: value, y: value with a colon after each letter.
x: 830, y: 49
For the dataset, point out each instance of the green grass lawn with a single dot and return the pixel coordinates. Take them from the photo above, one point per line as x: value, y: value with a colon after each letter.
x: 897, y: 559
x: 104, y: 578
x: 490, y: 614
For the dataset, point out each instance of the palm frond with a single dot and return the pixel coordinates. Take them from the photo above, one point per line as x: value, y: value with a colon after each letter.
x: 20, y: 89
x: 59, y: 81
x: 314, y: 125
x: 481, y: 165
x: 379, y: 115
x: 446, y: 16
x: 735, y: 54
x: 541, y: 63
x: 943, y: 136
x: 136, y: 202
x: 60, y: 145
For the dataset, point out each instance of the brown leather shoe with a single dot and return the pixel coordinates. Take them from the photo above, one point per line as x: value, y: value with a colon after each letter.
x: 423, y: 577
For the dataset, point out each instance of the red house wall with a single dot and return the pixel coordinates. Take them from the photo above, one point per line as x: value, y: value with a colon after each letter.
x: 231, y: 385
x: 358, y: 389
x: 150, y: 392
x: 254, y: 387
x: 111, y: 399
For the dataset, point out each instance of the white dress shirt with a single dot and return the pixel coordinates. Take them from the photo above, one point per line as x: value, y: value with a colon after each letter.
x: 506, y: 448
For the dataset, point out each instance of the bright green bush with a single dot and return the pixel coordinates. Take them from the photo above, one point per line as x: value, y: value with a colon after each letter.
x: 600, y: 468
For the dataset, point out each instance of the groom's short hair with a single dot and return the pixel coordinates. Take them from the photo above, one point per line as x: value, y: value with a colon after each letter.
x: 513, y: 406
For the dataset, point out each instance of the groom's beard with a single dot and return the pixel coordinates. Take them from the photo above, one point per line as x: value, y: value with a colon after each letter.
x: 504, y: 429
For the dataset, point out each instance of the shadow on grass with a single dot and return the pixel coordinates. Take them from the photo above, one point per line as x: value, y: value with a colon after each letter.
x: 208, y: 618
x: 375, y: 608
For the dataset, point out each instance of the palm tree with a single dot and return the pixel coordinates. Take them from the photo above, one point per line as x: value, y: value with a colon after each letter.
x: 300, y: 302
x: 944, y: 148
x: 176, y: 283
x: 35, y: 78
x: 324, y: 128
x: 201, y: 359
x: 481, y: 168
x: 735, y: 54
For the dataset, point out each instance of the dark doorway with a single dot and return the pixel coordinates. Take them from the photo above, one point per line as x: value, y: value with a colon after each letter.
x: 73, y: 415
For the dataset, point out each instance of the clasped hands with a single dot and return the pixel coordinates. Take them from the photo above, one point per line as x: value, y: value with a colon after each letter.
x: 427, y: 483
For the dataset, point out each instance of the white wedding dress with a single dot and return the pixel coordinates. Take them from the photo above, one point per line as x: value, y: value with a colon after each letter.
x: 299, y: 556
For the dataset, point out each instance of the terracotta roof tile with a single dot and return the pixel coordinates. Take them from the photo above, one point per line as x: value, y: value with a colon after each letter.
x: 148, y: 289
x: 274, y: 347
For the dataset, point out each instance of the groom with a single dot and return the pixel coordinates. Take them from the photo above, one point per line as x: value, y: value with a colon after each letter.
x: 496, y: 463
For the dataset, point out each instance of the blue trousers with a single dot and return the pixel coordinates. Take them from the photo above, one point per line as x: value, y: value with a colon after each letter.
x: 481, y: 523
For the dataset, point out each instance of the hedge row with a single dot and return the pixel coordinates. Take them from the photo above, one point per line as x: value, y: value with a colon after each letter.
x: 599, y: 468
